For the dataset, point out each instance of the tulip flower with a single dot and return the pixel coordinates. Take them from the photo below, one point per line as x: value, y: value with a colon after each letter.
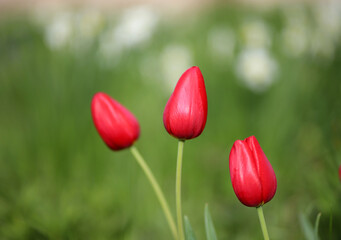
x: 117, y: 126
x: 253, y: 179
x: 186, y: 110
x: 185, y: 117
x: 119, y: 129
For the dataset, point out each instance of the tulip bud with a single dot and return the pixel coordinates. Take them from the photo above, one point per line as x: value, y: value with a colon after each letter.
x: 253, y: 179
x: 186, y: 110
x: 117, y: 126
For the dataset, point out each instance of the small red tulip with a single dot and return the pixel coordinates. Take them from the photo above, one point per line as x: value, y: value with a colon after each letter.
x: 253, y: 179
x: 186, y: 110
x: 117, y: 126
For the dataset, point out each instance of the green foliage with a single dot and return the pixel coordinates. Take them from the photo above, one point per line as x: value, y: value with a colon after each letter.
x: 210, y: 231
x: 310, y: 232
x: 189, y: 233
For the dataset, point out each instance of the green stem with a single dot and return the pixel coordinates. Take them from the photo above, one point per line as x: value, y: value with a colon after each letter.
x: 262, y: 222
x: 178, y: 189
x: 157, y: 190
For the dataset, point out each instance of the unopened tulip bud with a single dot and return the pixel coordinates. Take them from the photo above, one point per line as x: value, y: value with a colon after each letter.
x: 186, y: 110
x: 253, y: 179
x: 117, y: 126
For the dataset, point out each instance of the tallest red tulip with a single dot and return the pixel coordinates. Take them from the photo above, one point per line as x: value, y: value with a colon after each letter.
x: 186, y: 110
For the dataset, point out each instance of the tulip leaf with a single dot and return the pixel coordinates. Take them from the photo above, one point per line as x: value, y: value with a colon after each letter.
x: 317, y: 222
x: 210, y: 231
x: 310, y: 232
x: 189, y: 234
x: 306, y: 227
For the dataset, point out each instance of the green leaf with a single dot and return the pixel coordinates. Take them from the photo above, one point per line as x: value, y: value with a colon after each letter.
x: 210, y: 232
x: 189, y: 234
x: 317, y: 222
x: 306, y: 227
x: 309, y: 232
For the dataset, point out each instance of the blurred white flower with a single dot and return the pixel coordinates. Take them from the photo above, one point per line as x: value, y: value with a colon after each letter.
x: 328, y: 16
x: 328, y: 30
x: 76, y: 30
x: 255, y: 33
x: 221, y: 42
x: 59, y: 31
x: 321, y: 45
x: 296, y: 34
x: 295, y: 38
x: 88, y: 24
x: 256, y: 68
x: 110, y: 50
x: 150, y: 69
x: 135, y: 27
x: 175, y: 60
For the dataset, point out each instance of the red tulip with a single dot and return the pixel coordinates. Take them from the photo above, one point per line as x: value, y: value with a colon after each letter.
x: 186, y: 110
x: 115, y: 124
x: 253, y: 179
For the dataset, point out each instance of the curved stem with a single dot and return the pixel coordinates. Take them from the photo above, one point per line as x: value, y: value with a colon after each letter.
x: 156, y: 188
x: 262, y: 223
x: 178, y: 189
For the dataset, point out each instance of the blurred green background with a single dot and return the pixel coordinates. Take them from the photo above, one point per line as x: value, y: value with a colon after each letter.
x: 272, y: 73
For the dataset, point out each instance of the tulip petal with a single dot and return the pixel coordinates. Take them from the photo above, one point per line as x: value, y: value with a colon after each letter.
x: 266, y: 173
x: 244, y: 175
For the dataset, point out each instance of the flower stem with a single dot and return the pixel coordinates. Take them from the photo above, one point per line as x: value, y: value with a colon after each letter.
x: 178, y: 189
x: 262, y: 222
x: 157, y: 190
